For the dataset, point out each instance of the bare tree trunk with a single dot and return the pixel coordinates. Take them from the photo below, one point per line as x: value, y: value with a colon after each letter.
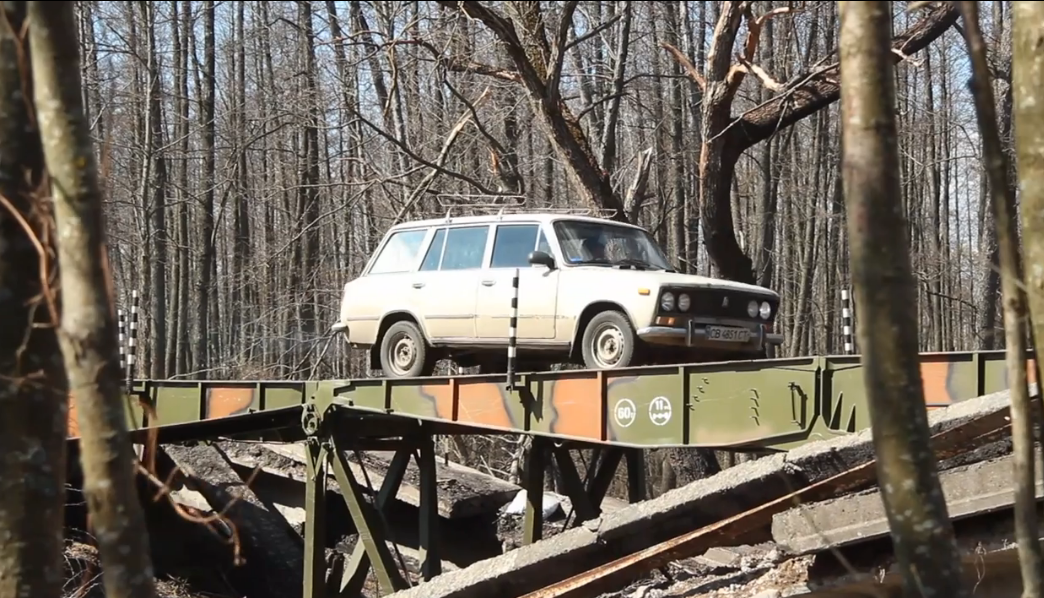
x: 1002, y: 202
x: 886, y: 300
x: 726, y: 139
x: 33, y: 396
x: 1028, y: 115
x: 157, y: 183
x: 87, y: 334
x: 207, y: 322
x: 185, y: 361
x: 308, y: 193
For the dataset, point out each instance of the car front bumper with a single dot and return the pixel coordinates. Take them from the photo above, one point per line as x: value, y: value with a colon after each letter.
x: 695, y: 335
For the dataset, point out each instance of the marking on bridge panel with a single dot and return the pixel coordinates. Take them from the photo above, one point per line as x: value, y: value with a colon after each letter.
x: 625, y: 412
x: 660, y: 411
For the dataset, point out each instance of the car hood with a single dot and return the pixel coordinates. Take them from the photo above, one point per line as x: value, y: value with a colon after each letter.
x: 679, y: 279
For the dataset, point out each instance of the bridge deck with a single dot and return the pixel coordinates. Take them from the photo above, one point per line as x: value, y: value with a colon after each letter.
x: 775, y: 403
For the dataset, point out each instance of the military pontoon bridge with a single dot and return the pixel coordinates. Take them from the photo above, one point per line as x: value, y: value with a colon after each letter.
x: 768, y: 404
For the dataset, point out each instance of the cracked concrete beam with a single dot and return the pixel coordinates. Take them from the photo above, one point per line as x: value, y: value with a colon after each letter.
x: 970, y: 490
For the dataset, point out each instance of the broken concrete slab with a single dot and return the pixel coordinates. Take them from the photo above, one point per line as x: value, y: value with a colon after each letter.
x: 985, y: 545
x: 700, y: 503
x: 281, y: 483
x: 463, y: 491
x: 969, y: 490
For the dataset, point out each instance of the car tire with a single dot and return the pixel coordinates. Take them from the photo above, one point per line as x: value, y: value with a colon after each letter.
x: 609, y: 342
x: 404, y: 352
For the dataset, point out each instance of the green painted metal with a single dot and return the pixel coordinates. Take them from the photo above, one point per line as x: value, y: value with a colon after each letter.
x: 317, y: 463
x: 773, y: 404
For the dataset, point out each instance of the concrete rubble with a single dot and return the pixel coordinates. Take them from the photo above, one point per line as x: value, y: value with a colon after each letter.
x: 728, y: 493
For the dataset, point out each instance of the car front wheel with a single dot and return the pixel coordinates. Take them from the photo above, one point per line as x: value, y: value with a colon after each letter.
x: 404, y: 354
x: 609, y: 342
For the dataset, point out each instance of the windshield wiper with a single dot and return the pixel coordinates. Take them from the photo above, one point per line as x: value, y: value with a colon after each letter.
x: 594, y: 260
x: 636, y: 263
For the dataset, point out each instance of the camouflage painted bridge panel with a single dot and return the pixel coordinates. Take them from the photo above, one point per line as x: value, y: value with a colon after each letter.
x: 778, y: 403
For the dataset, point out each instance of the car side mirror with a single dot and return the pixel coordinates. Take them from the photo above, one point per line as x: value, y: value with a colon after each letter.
x: 541, y: 258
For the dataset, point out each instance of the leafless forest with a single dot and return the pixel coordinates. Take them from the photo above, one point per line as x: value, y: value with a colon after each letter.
x: 236, y: 161
x: 252, y: 153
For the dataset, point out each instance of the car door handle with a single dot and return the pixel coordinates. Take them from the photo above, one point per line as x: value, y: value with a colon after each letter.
x: 488, y: 283
x: 418, y: 285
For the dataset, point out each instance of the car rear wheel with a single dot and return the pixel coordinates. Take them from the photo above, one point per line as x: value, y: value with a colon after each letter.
x: 609, y: 342
x: 404, y: 354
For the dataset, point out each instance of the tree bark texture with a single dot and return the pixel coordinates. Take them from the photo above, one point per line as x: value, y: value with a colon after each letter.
x: 1028, y: 83
x: 886, y: 301
x: 1028, y: 119
x: 33, y: 393
x: 1002, y: 203
x: 88, y: 334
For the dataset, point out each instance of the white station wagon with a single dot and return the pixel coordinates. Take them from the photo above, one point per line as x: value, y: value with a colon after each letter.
x: 591, y: 291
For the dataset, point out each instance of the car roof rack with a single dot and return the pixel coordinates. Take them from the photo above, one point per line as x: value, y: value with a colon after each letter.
x: 473, y: 205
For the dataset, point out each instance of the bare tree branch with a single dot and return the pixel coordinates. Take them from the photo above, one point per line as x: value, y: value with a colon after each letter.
x: 447, y: 145
x: 558, y: 50
x: 530, y: 53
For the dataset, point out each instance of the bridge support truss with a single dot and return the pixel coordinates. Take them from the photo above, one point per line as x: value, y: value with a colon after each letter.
x: 332, y: 435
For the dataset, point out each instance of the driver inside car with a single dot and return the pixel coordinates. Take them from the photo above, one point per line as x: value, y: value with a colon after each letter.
x: 593, y: 249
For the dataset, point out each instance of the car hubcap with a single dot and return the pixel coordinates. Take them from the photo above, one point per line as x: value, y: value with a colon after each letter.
x: 404, y: 351
x: 609, y: 346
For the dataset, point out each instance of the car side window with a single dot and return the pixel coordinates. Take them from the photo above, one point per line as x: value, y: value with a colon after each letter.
x: 465, y: 247
x: 512, y: 245
x: 399, y: 253
x: 434, y: 256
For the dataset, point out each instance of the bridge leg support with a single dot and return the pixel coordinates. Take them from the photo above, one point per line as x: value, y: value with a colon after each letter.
x: 536, y: 461
x: 315, y: 520
x: 574, y: 486
x: 431, y: 561
x: 358, y: 564
x: 369, y: 524
x: 605, y: 469
x: 588, y: 493
x: 635, y: 475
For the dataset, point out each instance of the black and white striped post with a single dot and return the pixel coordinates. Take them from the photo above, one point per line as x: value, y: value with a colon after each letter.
x: 132, y: 339
x: 512, y: 333
x: 121, y: 319
x: 846, y: 322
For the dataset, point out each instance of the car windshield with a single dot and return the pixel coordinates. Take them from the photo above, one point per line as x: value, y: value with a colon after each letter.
x: 603, y: 243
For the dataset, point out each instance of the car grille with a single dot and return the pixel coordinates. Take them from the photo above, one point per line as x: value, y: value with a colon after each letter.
x: 712, y: 303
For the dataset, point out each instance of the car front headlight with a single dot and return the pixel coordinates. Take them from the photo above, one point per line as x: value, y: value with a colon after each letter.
x: 765, y: 311
x: 667, y: 301
x: 752, y: 309
x: 683, y: 302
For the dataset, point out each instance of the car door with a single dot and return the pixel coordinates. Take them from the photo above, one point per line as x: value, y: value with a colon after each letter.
x: 537, y: 287
x: 444, y: 286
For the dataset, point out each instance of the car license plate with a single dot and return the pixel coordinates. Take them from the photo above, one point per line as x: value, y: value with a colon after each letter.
x: 734, y: 335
